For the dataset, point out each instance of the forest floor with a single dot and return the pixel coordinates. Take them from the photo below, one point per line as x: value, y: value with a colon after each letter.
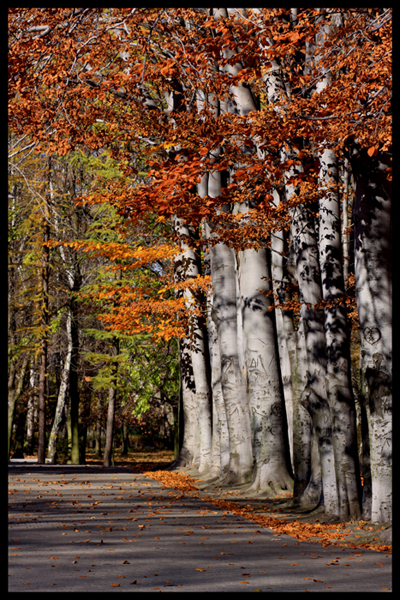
x: 274, y: 513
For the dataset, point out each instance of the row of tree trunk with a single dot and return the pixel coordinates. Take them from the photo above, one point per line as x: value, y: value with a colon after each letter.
x: 256, y: 430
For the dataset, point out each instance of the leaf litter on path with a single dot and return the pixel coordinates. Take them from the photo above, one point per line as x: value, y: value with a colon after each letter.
x: 326, y: 534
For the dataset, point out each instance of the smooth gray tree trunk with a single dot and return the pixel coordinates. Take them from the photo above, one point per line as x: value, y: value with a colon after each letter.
x: 373, y: 277
x: 338, y: 375
x: 186, y: 265
x: 270, y: 475
x: 223, y: 272
x: 314, y: 397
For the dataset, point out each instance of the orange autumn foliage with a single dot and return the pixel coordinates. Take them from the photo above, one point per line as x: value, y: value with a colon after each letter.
x: 100, y: 78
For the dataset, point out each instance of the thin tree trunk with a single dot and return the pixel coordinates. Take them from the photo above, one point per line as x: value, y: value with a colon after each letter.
x: 62, y: 395
x: 108, y: 451
x: 30, y: 418
x: 73, y: 386
x: 44, y: 346
x: 345, y: 221
x: 14, y: 392
x: 98, y: 427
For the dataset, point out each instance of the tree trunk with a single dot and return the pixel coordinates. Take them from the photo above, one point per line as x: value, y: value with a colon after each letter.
x: 14, y: 392
x: 44, y: 345
x: 233, y: 382
x: 223, y: 273
x: 303, y: 437
x: 62, y: 396
x: 186, y: 267
x: 270, y: 473
x: 345, y: 221
x: 339, y: 389
x: 314, y: 397
x: 20, y: 434
x: 188, y: 447
x: 220, y: 433
x: 73, y: 386
x: 125, y: 439
x: 108, y: 451
x: 97, y: 451
x: 373, y: 276
x: 30, y: 418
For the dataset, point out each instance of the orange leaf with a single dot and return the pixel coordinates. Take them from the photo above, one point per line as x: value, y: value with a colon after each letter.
x: 371, y: 151
x: 115, y: 584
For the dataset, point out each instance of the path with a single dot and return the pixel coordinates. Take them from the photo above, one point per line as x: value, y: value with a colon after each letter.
x: 80, y: 528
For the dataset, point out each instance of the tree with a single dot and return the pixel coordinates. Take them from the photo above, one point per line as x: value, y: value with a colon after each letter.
x: 266, y: 103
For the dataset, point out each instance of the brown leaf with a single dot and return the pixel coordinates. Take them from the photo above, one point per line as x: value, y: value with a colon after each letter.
x: 115, y: 584
x: 134, y: 582
x: 125, y: 562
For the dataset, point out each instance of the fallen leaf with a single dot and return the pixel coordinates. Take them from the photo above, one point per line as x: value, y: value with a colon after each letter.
x: 318, y: 580
x: 201, y: 569
x: 125, y: 562
x: 380, y: 564
x: 134, y: 582
x: 115, y: 584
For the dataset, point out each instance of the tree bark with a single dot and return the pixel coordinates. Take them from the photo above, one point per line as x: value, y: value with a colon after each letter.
x: 62, y: 395
x: 108, y: 460
x: 314, y: 397
x: 189, y: 449
x: 373, y: 277
x: 14, y: 392
x: 44, y: 345
x: 74, y: 385
x: 30, y: 418
x: 270, y: 473
x: 186, y: 267
x: 338, y: 384
x: 98, y: 427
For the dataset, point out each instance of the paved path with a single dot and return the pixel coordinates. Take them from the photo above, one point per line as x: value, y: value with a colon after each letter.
x: 92, y: 529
